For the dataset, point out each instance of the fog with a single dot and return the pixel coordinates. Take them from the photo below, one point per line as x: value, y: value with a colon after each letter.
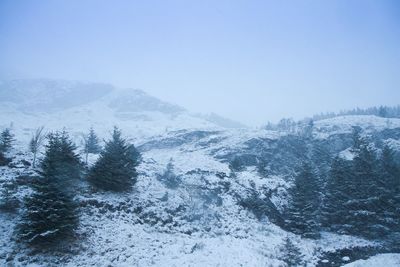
x: 251, y: 61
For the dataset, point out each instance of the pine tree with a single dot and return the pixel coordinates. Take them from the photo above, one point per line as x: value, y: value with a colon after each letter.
x: 8, y: 201
x: 3, y: 159
x: 390, y: 168
x: 363, y: 191
x: 290, y: 254
x: 302, y: 214
x: 51, y: 217
x: 307, y: 129
x: 169, y: 178
x: 115, y: 170
x: 390, y: 189
x: 359, y: 193
x: 6, y: 140
x: 358, y: 141
x: 91, y: 144
x: 382, y: 112
x: 336, y: 195
x: 61, y: 162
x: 321, y: 159
x: 366, y: 192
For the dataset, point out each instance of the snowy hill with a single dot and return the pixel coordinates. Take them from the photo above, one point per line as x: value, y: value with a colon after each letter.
x: 78, y: 105
x: 379, y: 260
x: 205, y: 220
x: 344, y: 124
x: 50, y: 95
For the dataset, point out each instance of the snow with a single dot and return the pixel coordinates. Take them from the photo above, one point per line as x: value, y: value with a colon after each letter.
x: 223, y: 235
x: 144, y: 247
x: 387, y: 260
x: 162, y: 233
x: 393, y: 143
x: 346, y: 258
x: 331, y: 242
x: 344, y: 124
x: 346, y: 154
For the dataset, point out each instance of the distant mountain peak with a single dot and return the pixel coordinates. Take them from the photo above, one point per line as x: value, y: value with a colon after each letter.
x: 46, y: 95
x: 135, y: 100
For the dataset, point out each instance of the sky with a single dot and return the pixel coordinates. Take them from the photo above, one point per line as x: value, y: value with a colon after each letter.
x: 252, y: 61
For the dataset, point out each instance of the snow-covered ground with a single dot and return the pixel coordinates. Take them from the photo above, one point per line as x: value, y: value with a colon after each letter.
x: 197, y: 224
x: 385, y: 260
x: 344, y: 124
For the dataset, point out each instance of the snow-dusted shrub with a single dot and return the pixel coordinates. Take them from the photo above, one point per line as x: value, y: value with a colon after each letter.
x: 169, y: 178
x: 291, y: 254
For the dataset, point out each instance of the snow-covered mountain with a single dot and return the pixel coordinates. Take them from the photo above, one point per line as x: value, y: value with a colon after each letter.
x: 76, y: 106
x: 43, y: 95
x: 203, y: 221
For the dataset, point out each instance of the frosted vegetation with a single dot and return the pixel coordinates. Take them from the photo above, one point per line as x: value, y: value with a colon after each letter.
x: 92, y: 175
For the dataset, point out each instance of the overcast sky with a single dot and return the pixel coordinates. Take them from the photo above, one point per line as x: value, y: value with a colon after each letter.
x: 251, y: 61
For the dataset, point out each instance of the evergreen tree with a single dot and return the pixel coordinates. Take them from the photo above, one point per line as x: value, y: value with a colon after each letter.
x: 307, y: 129
x: 382, y: 112
x: 390, y: 168
x: 336, y: 195
x: 50, y: 217
x: 169, y: 178
x: 321, y: 159
x: 359, y: 197
x: 6, y: 140
x: 364, y: 194
x: 390, y: 189
x: 291, y: 254
x: 302, y: 214
x: 8, y: 201
x: 3, y: 159
x: 61, y: 162
x: 115, y: 170
x: 358, y: 141
x: 91, y: 144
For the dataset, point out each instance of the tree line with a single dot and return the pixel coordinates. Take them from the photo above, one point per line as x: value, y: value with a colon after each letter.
x: 381, y: 111
x: 293, y: 126
x: 359, y: 197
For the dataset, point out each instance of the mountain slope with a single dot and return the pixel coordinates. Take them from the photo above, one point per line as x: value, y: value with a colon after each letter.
x: 56, y: 104
x: 203, y: 221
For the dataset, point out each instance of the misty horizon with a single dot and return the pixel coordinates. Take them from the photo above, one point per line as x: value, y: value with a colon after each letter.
x: 251, y: 62
x: 12, y: 77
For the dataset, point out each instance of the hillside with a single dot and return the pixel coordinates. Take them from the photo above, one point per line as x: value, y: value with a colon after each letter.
x: 204, y: 220
x: 78, y: 105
